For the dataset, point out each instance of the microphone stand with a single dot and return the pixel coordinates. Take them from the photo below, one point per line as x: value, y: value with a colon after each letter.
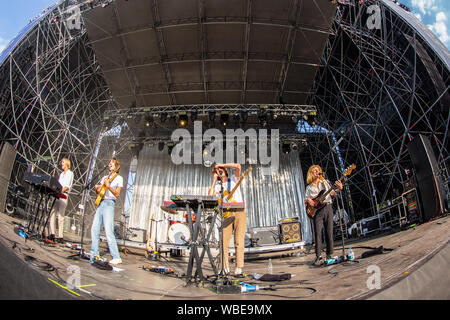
x: 85, y: 191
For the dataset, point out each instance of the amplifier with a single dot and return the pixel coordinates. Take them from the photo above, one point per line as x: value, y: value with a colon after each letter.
x: 265, y: 236
x: 137, y: 235
x: 290, y: 232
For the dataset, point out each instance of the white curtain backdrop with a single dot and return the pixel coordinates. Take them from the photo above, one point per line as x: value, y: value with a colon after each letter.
x: 268, y: 198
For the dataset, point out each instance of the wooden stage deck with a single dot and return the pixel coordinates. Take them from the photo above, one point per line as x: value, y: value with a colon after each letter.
x: 416, y: 268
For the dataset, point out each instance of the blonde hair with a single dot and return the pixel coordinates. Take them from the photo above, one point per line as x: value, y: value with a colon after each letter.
x: 67, y: 161
x: 116, y: 162
x: 309, y: 175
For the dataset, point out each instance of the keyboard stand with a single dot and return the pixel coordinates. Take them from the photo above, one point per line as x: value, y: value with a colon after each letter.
x: 195, y: 230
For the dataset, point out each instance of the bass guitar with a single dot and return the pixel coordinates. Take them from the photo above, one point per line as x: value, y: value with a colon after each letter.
x: 318, y: 200
x: 102, y: 192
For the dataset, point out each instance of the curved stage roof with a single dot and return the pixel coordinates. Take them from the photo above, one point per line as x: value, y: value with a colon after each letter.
x: 209, y: 52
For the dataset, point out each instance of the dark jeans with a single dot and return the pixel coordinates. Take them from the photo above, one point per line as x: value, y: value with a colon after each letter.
x: 324, y: 217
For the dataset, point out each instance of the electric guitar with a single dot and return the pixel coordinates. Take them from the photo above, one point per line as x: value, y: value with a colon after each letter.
x: 228, y: 196
x: 102, y: 192
x: 318, y: 200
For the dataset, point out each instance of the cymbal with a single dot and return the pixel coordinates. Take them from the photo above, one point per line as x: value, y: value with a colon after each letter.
x: 168, y: 210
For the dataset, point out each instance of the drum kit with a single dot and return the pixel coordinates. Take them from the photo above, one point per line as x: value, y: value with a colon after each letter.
x: 178, y: 233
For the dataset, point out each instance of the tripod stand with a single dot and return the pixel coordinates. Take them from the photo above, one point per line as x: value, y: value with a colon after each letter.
x: 85, y: 192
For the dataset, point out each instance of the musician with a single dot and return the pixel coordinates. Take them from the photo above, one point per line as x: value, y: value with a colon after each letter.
x: 324, y: 216
x: 59, y: 208
x: 105, y: 211
x: 222, y: 179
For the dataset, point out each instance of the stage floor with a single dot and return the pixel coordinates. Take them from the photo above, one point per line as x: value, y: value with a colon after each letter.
x: 420, y: 249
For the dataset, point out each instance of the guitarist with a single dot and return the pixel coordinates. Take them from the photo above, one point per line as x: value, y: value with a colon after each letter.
x: 105, y: 211
x: 221, y: 175
x: 324, y: 216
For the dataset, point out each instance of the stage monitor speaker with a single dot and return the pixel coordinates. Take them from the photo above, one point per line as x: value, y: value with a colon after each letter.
x: 265, y: 236
x: 290, y: 232
x: 138, y: 235
x: 7, y: 158
x: 428, y: 179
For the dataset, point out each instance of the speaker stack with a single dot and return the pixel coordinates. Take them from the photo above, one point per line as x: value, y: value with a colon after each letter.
x: 429, y: 182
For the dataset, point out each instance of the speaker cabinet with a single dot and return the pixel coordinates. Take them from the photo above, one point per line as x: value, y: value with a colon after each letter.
x: 265, y: 236
x: 429, y: 182
x: 290, y: 232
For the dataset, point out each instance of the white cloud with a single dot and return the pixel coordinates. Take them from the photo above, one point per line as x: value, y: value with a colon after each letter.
x: 424, y: 5
x: 3, y: 44
x: 440, y: 28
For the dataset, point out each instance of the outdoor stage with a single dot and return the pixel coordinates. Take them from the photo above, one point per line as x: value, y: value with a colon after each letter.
x: 416, y: 268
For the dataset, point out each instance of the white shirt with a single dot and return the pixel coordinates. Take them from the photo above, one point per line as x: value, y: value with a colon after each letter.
x: 312, y: 191
x: 117, y: 182
x: 237, y: 196
x: 66, y: 180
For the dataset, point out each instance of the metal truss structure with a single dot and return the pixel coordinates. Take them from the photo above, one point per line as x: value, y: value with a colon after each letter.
x: 375, y: 89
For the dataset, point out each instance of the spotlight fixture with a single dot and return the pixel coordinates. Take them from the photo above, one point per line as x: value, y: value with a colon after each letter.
x: 194, y: 115
x: 236, y: 119
x: 312, y: 118
x: 212, y: 116
x: 263, y: 121
x: 161, y: 146
x: 294, y: 146
x: 170, y: 146
x: 286, y: 147
x: 294, y: 119
x: 182, y: 119
x: 224, y: 116
x: 244, y: 115
x: 163, y: 117
x: 148, y: 121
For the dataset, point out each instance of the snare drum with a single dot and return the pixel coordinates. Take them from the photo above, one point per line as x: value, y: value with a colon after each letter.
x: 178, y: 234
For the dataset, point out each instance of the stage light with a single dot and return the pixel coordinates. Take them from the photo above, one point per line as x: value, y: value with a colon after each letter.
x: 148, y: 121
x: 163, y: 116
x: 182, y: 119
x: 286, y: 147
x: 294, y: 119
x: 170, y: 146
x: 244, y: 115
x: 224, y: 117
x: 194, y: 115
x: 263, y: 119
x: 312, y: 118
x: 294, y: 146
x: 161, y: 146
x: 236, y: 119
x: 304, y: 143
x: 273, y: 115
x: 212, y: 116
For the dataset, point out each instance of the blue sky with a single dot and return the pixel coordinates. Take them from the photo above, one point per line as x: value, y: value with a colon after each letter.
x: 15, y: 14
